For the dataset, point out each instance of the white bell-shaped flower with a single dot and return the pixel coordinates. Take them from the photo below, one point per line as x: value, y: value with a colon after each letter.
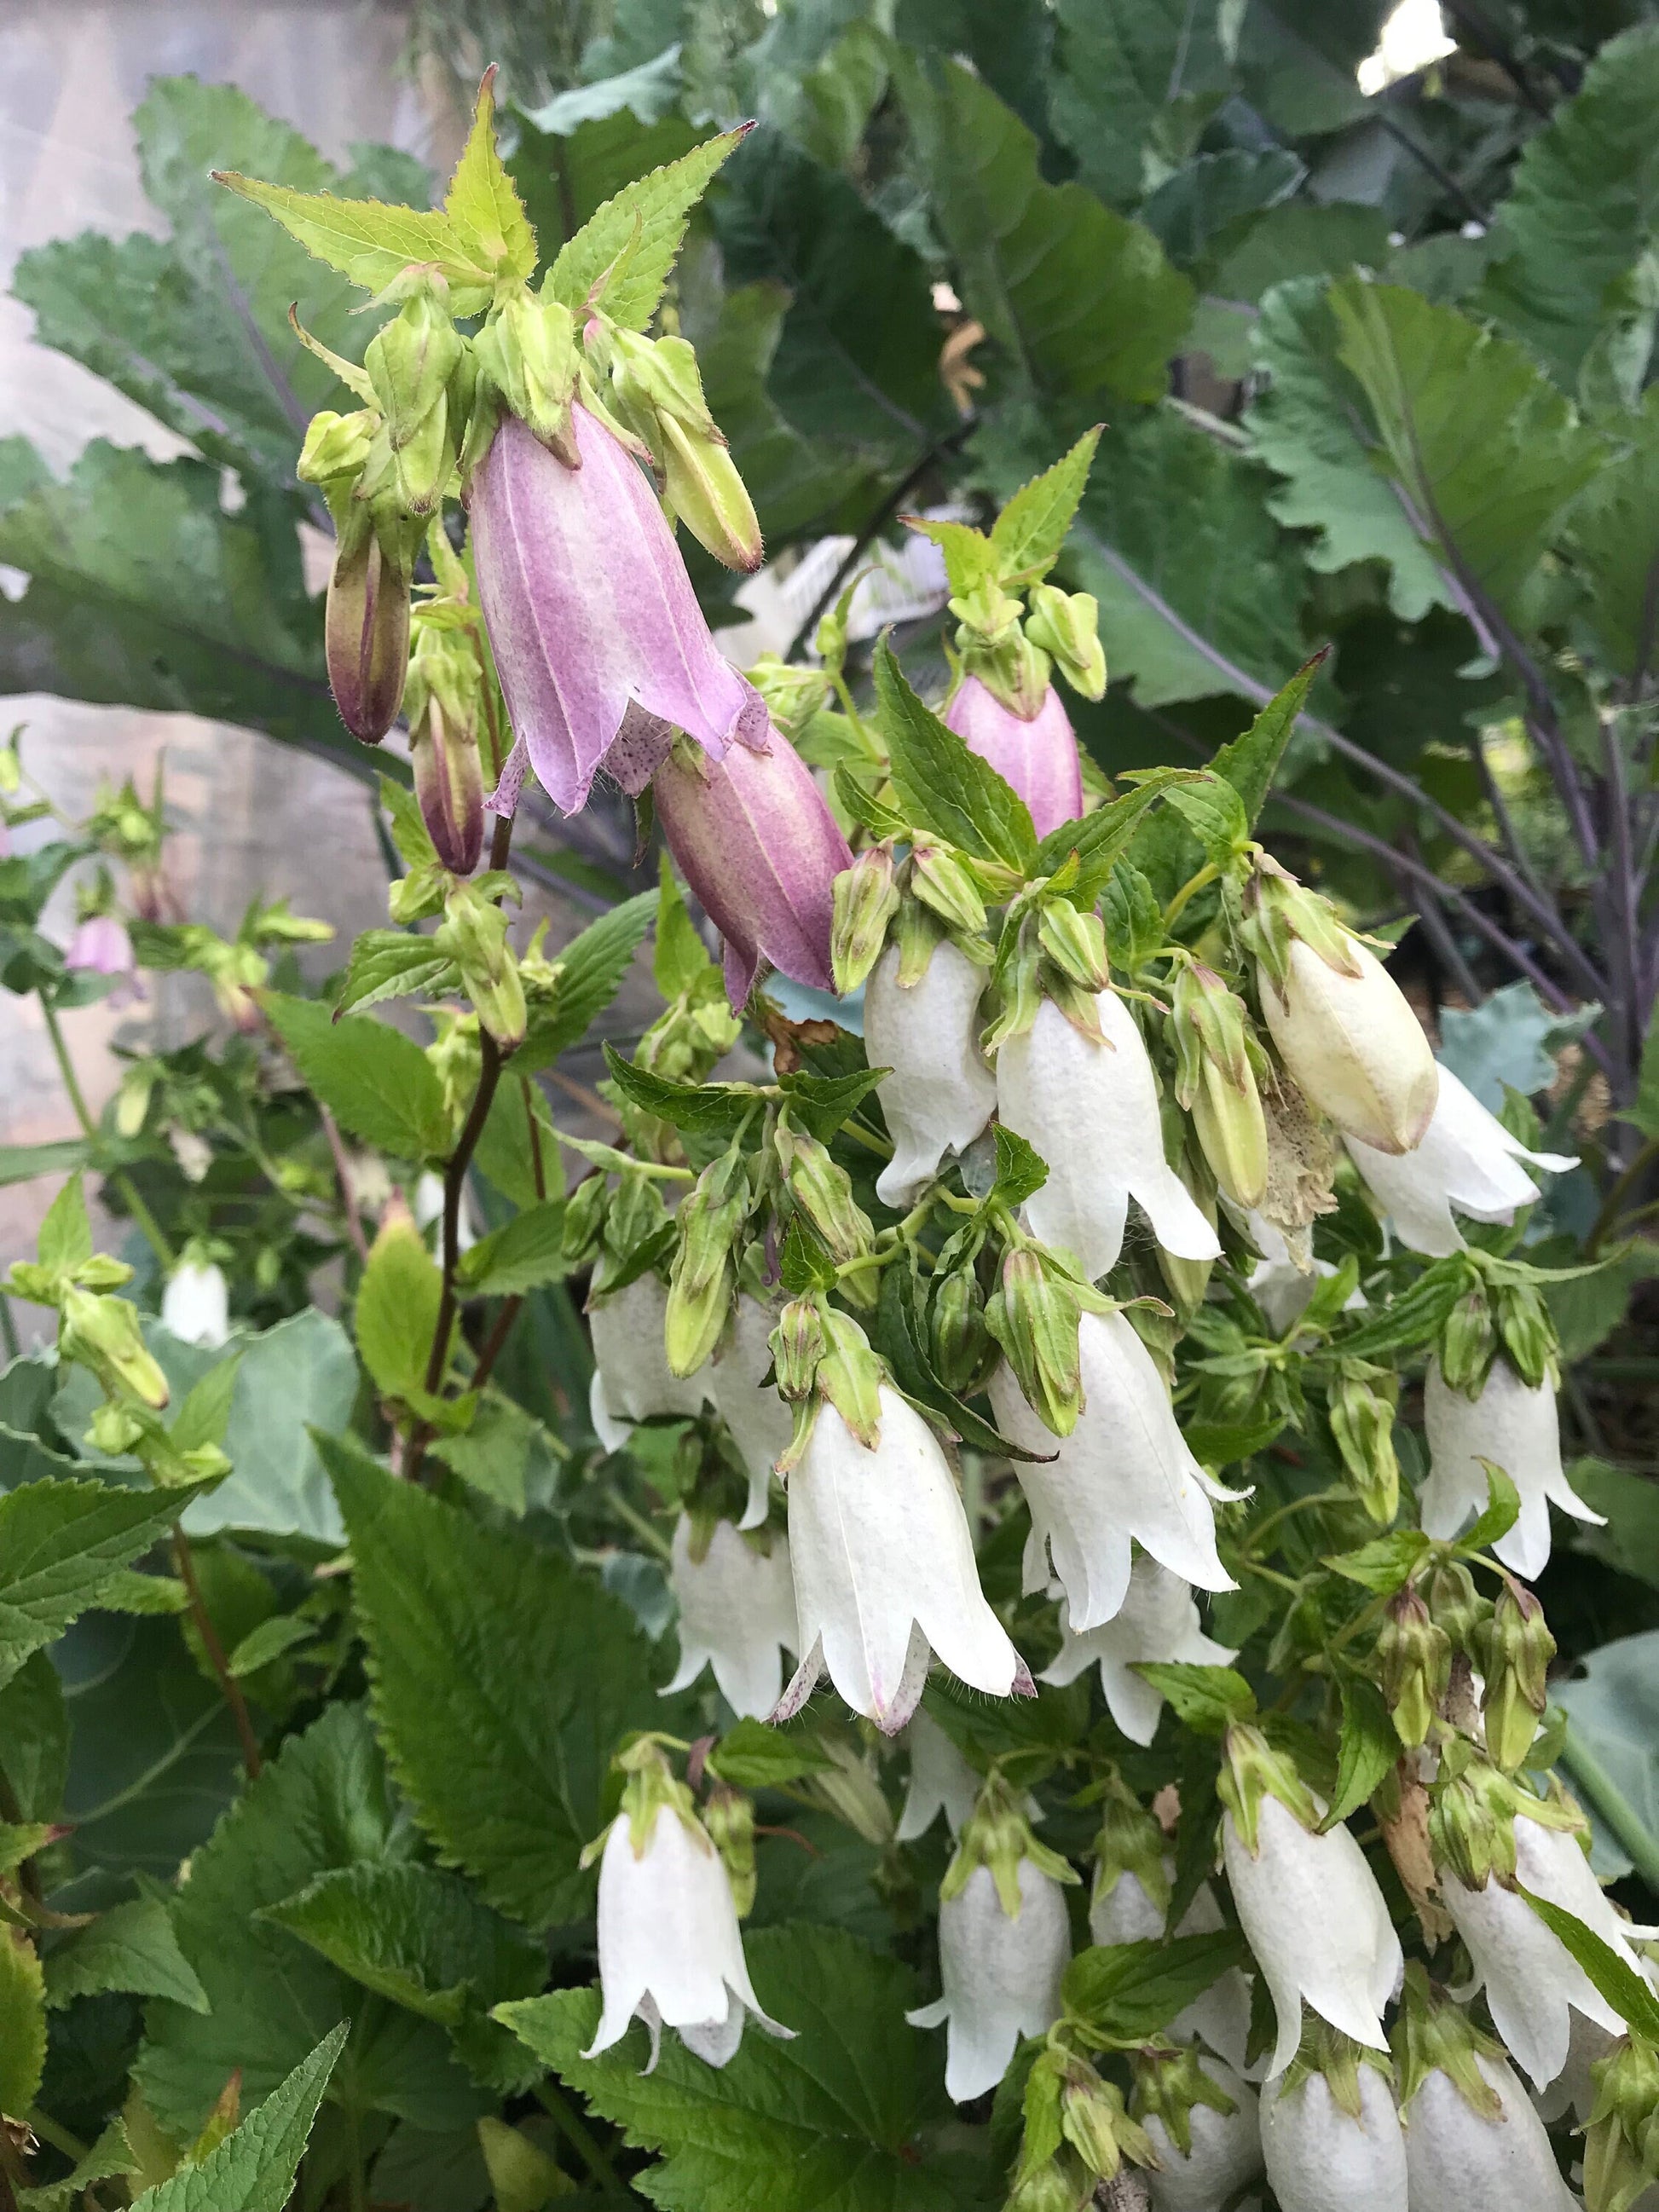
x: 1091, y: 1112
x: 1157, y: 1620
x: 1226, y: 2152
x: 1317, y: 1922
x: 941, y: 1780
x: 1534, y: 1986
x: 1514, y: 1427
x: 941, y: 1094
x: 1352, y: 1046
x: 1280, y: 1287
x: 196, y: 1304
x: 1467, y: 1159
x: 759, y: 1420
x: 1457, y: 2158
x: 1125, y: 1472
x: 1002, y: 1976
x: 670, y: 1950
x: 1322, y: 2158
x: 736, y: 1615
x: 632, y: 1379
x: 884, y: 1571
x: 1125, y: 1913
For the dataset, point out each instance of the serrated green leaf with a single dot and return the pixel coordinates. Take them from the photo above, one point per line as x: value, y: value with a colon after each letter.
x: 1411, y: 1319
x: 323, y: 1803
x: 205, y: 1416
x: 1385, y: 1564
x: 1134, y: 1989
x: 409, y: 831
x: 493, y: 1453
x: 1215, y: 814
x: 821, y: 1103
x: 1032, y: 527
x: 21, y: 1840
x: 422, y: 1938
x: 941, y: 785
x: 375, y: 1081
x: 1367, y: 1750
x: 390, y: 963
x: 594, y: 965
x: 1251, y: 762
x: 483, y: 210
x: 370, y: 242
x: 1502, y: 1512
x: 508, y: 1785
x: 110, y: 2157
x: 22, y: 2022
x: 269, y: 1641
x: 252, y: 2170
x: 678, y: 955
x: 970, y: 559
x: 1614, y: 1978
x: 1116, y: 64
x: 65, y: 1239
x: 645, y: 223
x: 751, y: 1755
x: 397, y: 1311
x: 60, y: 1542
x: 131, y: 1947
x: 827, y: 2123
x: 1020, y: 1170
x: 1102, y: 838
x: 524, y: 1166
x: 1615, y: 533
x: 710, y: 1109
x: 1203, y: 1698
x: 525, y: 1254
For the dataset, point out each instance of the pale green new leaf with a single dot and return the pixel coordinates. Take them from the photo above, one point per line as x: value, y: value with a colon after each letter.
x: 22, y: 2023
x: 591, y: 966
x: 131, y: 1947
x: 377, y: 1082
x: 269, y: 1641
x: 397, y: 1303
x: 485, y: 212
x: 390, y: 963
x: 252, y: 2170
x: 1031, y: 531
x: 642, y: 228
x: 367, y: 241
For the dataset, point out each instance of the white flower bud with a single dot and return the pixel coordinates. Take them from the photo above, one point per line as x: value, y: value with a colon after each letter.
x: 1534, y: 1986
x: 1315, y: 1919
x: 1352, y: 1046
x: 884, y: 1571
x: 1124, y: 1472
x: 736, y: 1613
x: 1091, y: 1112
x: 632, y: 1379
x: 941, y: 1780
x: 760, y: 1421
x: 1457, y: 2158
x: 1226, y: 2150
x: 1321, y: 2159
x: 1159, y: 1620
x: 427, y: 1204
x: 1467, y: 1159
x: 196, y: 1304
x: 669, y: 1946
x: 1002, y: 1976
x: 1516, y: 1429
x: 940, y: 1093
x: 1220, y: 2017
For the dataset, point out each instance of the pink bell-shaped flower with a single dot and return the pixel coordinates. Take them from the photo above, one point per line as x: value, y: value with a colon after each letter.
x: 1038, y: 756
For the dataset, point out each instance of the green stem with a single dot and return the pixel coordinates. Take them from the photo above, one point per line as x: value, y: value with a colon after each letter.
x: 1190, y: 889
x: 641, y: 1528
x: 60, y: 2138
x: 1615, y: 1809
x: 1615, y: 1197
x: 146, y: 1220
x: 9, y: 1329
x: 1334, y: 1497
x: 151, y: 1229
x: 576, y: 2131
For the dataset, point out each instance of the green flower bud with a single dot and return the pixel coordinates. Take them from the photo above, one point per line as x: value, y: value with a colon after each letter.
x: 335, y: 453
x: 1065, y: 625
x: 959, y: 1336
x: 1094, y: 2121
x: 527, y: 352
x: 1252, y: 1770
x: 1215, y: 1080
x: 850, y: 1375
x: 866, y: 899
x: 474, y: 936
x: 1621, y: 2143
x: 1527, y: 1331
x: 940, y: 880
x: 1413, y: 1657
x: 994, y: 647
x: 703, y: 1278
x: 1170, y: 2083
x: 1361, y: 1404
x: 1516, y: 1649
x: 997, y: 1835
x: 797, y: 1344
x: 793, y: 696
x: 1433, y: 2035
x: 444, y: 698
x: 103, y: 1333
x: 366, y: 628
x: 658, y: 392
x: 1075, y: 942
x: 823, y: 1191
x: 728, y: 1815
x: 412, y: 362
x: 1130, y: 1842
x: 1472, y: 1809
x: 1457, y: 1605
x: 1033, y: 1316
x: 1469, y: 1345
x: 1053, y: 2185
x: 583, y: 1217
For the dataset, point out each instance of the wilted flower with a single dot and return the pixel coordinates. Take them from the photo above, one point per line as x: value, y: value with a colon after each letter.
x: 1222, y: 2149
x: 1157, y: 1619
x: 884, y: 1571
x: 941, y: 1094
x: 1467, y: 1159
x: 101, y: 946
x: 753, y: 837
x: 760, y: 1421
x: 1091, y: 1112
x: 1125, y: 1472
x: 1458, y: 2156
x: 1516, y: 1429
x: 670, y: 1950
x: 596, y: 630
x: 1321, y: 2155
x: 736, y: 1606
x: 632, y: 1379
x: 941, y: 1780
x: 1533, y: 1984
x: 196, y: 1303
x: 1038, y: 756
x: 1308, y: 1903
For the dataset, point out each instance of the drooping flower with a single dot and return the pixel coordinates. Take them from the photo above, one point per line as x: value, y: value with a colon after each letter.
x: 1037, y: 755
x: 1157, y: 1620
x: 941, y: 1094
x: 101, y: 946
x: 670, y: 1950
x: 1458, y: 2155
x: 1005, y: 1940
x: 941, y: 1780
x: 884, y: 1571
x: 601, y: 646
x: 737, y: 1607
x: 1091, y: 1112
x: 1335, y: 2145
x: 1467, y: 1159
x: 1309, y: 1904
x: 1223, y: 2147
x: 761, y: 1423
x: 1516, y: 1429
x: 753, y: 836
x: 1124, y: 1473
x: 1534, y: 1986
x: 196, y: 1303
x: 632, y: 1379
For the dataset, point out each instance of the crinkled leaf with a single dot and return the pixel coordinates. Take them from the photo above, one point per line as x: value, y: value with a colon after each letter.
x: 1031, y: 528
x: 941, y: 785
x: 483, y: 210
x: 820, y: 1103
x: 1133, y: 1989
x: 376, y: 1082
x: 1203, y: 1698
x: 1118, y: 65
x: 390, y: 963
x: 710, y: 1109
x: 60, y: 1543
x: 1215, y: 814
x: 525, y: 1254
x: 1101, y: 839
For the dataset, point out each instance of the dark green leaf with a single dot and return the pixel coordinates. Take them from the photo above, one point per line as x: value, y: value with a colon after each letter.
x: 940, y: 784
x: 1385, y: 1564
x: 1020, y: 1169
x: 752, y: 1756
x: 1368, y: 1749
x: 1101, y: 838
x: 390, y: 963
x: 592, y: 967
x: 1120, y: 66
x: 1503, y: 1510
x: 131, y: 1947
x: 522, y: 1254
x: 378, y: 1083
x: 1203, y: 1698
x: 822, y: 1103
x: 60, y: 1544
x: 806, y: 1263
x: 1614, y: 1978
x: 252, y: 2170
x: 1133, y: 1989
x: 900, y: 1336
x: 710, y: 1110
x: 1411, y: 1319
x: 524, y: 1172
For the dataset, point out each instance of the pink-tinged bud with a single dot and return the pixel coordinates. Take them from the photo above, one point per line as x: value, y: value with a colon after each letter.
x: 602, y: 649
x: 366, y: 636
x: 443, y: 696
x: 101, y: 945
x: 1039, y: 758
x: 752, y: 835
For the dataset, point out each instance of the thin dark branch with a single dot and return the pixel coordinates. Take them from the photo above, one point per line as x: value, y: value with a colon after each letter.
x: 1443, y: 176
x: 1473, y: 25
x: 186, y: 1560
x: 343, y: 1176
x: 1436, y: 929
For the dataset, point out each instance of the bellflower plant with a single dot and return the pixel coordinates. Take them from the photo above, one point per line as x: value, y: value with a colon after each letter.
x: 1157, y: 1620
x: 737, y: 1613
x: 1509, y: 1425
x: 1331, y: 2137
